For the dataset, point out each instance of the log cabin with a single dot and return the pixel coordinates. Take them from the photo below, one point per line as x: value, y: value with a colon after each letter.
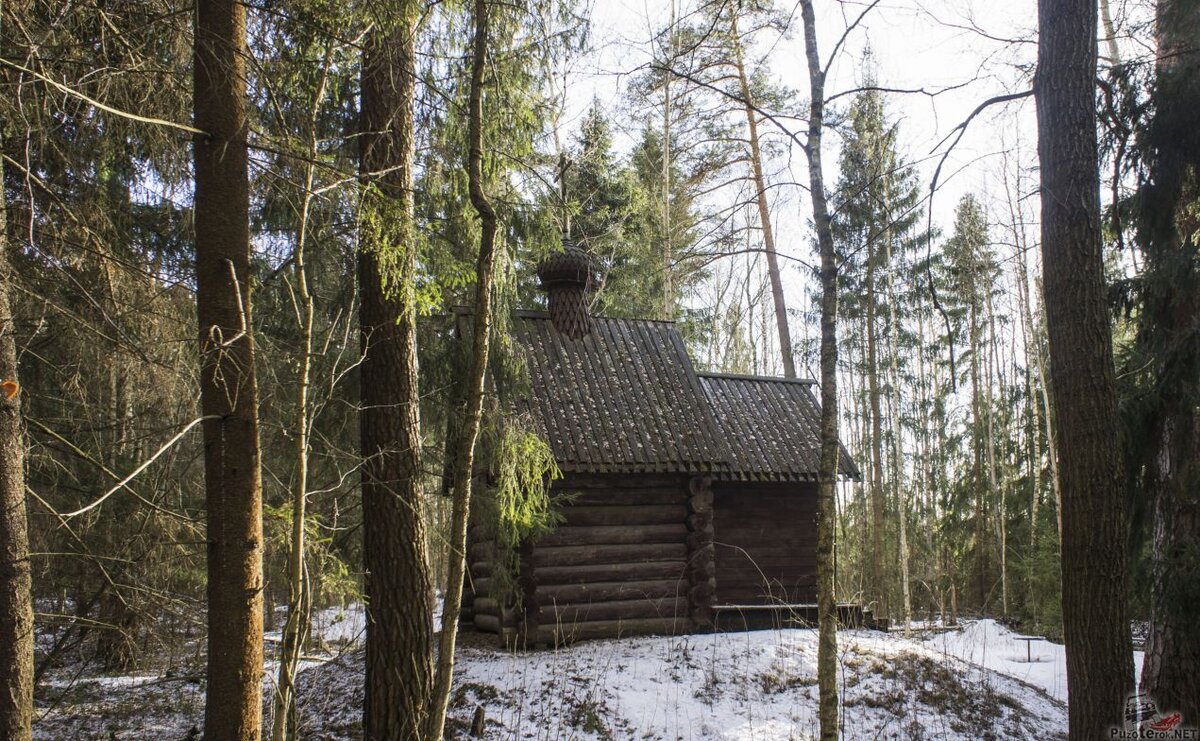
x: 687, y: 499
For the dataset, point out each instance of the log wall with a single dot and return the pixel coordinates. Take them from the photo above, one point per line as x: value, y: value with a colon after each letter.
x: 616, y: 566
x: 650, y: 555
x: 765, y: 537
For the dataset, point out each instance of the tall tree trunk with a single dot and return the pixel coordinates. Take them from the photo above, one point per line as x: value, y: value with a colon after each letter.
x: 897, y: 454
x: 978, y: 486
x: 16, y: 606
x: 875, y: 589
x: 464, y: 462
x: 1099, y: 654
x: 228, y: 390
x: 760, y: 196
x: 994, y: 486
x: 1170, y: 230
x: 397, y: 580
x: 1034, y: 427
x: 830, y: 446
x: 286, y: 719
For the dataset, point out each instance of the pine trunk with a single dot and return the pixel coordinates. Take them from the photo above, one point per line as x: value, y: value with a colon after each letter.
x: 228, y: 390
x: 1099, y: 654
x: 995, y: 489
x: 897, y: 454
x: 397, y: 581
x: 16, y: 606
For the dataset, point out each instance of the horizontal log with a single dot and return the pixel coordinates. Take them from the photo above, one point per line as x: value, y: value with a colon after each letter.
x: 798, y: 560
x: 574, y: 481
x: 666, y: 607
x: 487, y: 623
x: 674, y: 532
x: 481, y: 569
x: 611, y: 572
x: 483, y: 586
x: 606, y: 591
x: 656, y: 514
x: 758, y: 571
x: 558, y: 635
x: 486, y: 606
x: 627, y: 497
x: 775, y: 601
x: 482, y: 551
x: 765, y: 536
x: 581, y: 555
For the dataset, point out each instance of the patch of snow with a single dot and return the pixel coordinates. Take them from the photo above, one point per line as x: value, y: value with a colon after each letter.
x: 989, y: 644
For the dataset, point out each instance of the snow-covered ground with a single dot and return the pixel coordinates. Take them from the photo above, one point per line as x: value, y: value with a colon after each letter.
x: 989, y: 644
x: 759, y: 685
x: 971, y: 683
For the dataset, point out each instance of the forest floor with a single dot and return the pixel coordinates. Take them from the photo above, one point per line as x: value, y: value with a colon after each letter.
x: 973, y: 682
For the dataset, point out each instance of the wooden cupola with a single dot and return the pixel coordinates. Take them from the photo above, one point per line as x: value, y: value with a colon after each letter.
x: 567, y: 279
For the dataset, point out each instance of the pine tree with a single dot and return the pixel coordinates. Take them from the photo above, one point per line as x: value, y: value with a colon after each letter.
x: 1099, y: 655
x: 16, y: 604
x: 398, y: 583
x: 971, y: 277
x: 228, y: 390
x: 876, y: 212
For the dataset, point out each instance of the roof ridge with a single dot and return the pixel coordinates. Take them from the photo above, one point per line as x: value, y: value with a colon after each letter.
x: 541, y: 314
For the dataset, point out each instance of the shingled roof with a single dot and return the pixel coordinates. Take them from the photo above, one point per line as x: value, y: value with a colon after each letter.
x: 623, y: 399
x: 772, y: 426
x: 626, y: 399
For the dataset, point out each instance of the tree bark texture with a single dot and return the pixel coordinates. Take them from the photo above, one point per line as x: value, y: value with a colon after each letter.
x: 1099, y: 653
x: 228, y: 391
x: 16, y: 607
x: 472, y: 411
x: 397, y: 580
x: 830, y: 447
